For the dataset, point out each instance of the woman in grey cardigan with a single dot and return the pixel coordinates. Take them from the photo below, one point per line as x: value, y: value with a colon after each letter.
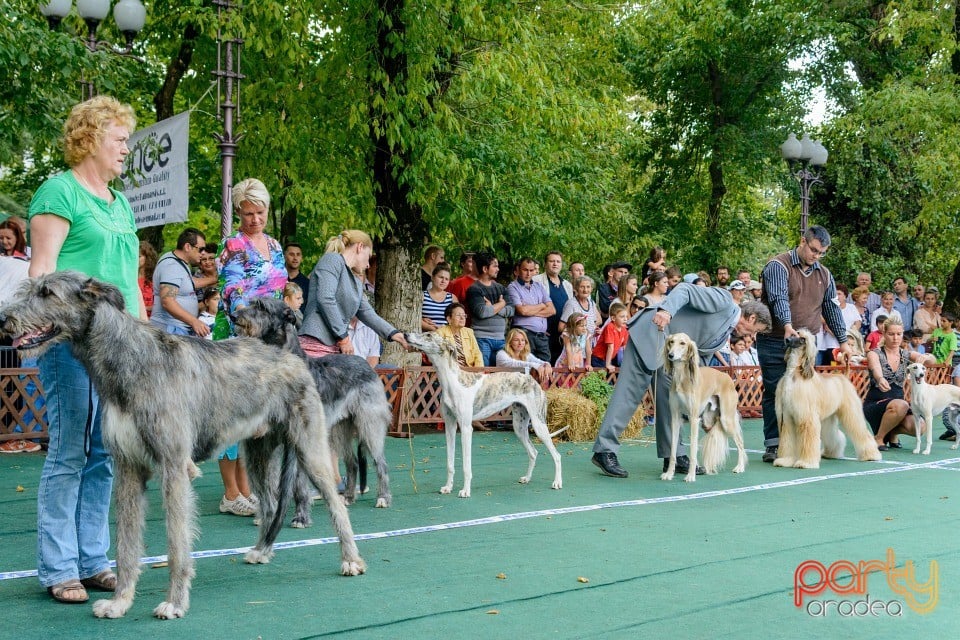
x: 339, y: 297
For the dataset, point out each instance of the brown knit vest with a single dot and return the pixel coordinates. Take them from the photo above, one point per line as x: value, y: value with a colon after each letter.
x: 806, y: 294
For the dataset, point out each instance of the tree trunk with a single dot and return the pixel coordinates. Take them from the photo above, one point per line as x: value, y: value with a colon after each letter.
x: 717, y: 188
x: 951, y: 294
x: 398, y: 296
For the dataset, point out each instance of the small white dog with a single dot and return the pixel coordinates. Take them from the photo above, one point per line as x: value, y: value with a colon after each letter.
x: 701, y: 392
x: 471, y: 396
x: 927, y: 400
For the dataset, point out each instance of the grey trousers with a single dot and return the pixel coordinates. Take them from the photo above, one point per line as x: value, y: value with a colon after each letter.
x: 632, y: 383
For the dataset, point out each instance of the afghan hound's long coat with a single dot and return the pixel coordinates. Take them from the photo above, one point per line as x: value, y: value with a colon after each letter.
x: 701, y: 391
x: 812, y: 408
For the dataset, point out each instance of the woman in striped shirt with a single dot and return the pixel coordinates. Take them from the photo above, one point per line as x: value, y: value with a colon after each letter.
x: 436, y: 299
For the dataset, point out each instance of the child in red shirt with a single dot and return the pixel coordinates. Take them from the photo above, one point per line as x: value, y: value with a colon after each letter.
x: 612, y: 339
x: 874, y: 337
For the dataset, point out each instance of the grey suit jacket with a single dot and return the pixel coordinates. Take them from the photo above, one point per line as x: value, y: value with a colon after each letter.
x: 706, y: 314
x: 336, y: 295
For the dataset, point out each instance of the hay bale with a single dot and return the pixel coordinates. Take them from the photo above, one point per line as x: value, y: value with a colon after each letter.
x: 635, y: 428
x: 570, y: 407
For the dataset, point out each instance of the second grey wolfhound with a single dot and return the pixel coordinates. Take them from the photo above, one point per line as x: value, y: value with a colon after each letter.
x: 171, y: 400
x: 354, y: 401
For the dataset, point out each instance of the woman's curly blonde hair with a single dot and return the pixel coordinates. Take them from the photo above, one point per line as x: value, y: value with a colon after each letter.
x: 87, y: 125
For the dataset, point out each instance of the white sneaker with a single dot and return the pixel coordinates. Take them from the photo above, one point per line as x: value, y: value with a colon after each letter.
x: 19, y: 446
x: 238, y: 507
x: 254, y: 500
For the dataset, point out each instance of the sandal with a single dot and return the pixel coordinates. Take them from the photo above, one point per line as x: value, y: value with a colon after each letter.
x: 106, y: 580
x: 69, y: 592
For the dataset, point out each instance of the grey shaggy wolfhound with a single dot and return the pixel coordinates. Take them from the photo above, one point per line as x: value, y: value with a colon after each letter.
x: 353, y: 398
x: 171, y: 400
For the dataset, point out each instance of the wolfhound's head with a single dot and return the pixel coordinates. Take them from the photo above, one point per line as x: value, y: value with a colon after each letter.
x: 917, y: 372
x: 270, y: 320
x: 680, y: 351
x: 431, y: 344
x: 801, y: 353
x: 53, y: 308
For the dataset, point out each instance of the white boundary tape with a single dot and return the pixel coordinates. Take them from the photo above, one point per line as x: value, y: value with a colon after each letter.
x: 523, y: 515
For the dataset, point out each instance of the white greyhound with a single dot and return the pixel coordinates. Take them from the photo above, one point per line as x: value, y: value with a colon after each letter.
x: 471, y: 396
x: 927, y: 400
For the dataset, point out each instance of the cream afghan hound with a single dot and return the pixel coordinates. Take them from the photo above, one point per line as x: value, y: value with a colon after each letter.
x: 811, y: 409
x: 701, y: 392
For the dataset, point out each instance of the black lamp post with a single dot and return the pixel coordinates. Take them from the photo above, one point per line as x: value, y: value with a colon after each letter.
x: 228, y: 93
x: 128, y: 14
x: 805, y: 158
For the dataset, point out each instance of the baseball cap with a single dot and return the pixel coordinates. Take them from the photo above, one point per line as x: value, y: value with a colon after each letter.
x: 754, y: 286
x: 736, y: 284
x: 690, y: 277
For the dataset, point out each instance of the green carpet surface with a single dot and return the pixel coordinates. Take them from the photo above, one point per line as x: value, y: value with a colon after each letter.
x: 603, y: 557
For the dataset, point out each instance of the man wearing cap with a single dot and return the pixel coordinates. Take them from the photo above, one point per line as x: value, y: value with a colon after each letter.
x: 755, y: 289
x: 736, y: 291
x: 708, y: 315
x: 799, y: 291
x: 607, y: 292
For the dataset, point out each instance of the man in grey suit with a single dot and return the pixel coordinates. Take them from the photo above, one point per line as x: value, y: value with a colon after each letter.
x: 708, y: 315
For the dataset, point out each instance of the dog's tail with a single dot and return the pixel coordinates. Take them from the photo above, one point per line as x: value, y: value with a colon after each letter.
x: 714, y: 453
x: 288, y: 473
x: 852, y: 421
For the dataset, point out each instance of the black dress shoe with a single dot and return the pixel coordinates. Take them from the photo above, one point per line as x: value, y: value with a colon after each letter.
x: 770, y: 454
x: 607, y: 461
x: 683, y: 466
x: 948, y: 435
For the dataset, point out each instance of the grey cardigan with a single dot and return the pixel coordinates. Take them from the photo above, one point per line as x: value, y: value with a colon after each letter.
x: 336, y: 296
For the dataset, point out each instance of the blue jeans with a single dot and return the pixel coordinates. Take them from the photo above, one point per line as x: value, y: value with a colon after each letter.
x: 30, y: 389
x: 770, y: 353
x: 73, y: 499
x: 489, y: 348
x: 173, y: 329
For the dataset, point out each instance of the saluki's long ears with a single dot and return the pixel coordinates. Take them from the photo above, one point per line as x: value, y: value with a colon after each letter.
x: 809, y: 355
x: 691, y: 359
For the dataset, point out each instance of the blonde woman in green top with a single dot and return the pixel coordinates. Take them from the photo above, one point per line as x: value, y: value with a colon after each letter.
x: 79, y: 223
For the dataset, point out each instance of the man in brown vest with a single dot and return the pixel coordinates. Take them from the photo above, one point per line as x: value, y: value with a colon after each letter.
x: 799, y: 291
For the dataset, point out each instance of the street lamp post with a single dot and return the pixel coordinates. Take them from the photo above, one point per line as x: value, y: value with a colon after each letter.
x: 228, y: 88
x: 806, y: 158
x: 129, y: 15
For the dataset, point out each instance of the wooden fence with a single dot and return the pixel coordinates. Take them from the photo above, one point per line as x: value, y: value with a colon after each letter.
x: 413, y: 393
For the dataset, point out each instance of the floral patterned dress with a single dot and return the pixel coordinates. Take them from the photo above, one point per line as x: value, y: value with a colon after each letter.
x: 245, y: 275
